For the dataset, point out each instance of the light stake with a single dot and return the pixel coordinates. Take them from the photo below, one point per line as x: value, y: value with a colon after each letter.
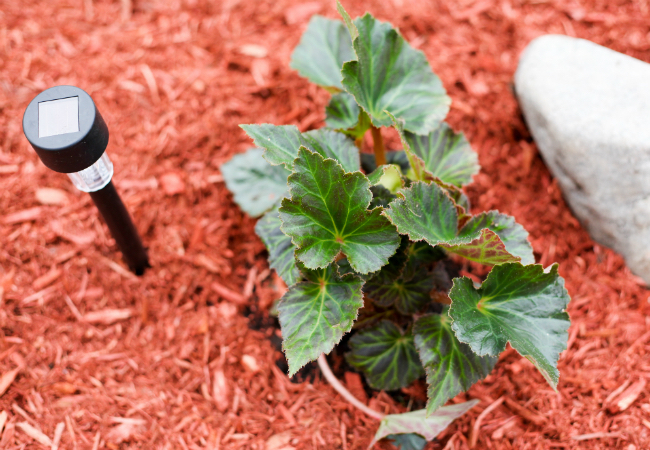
x: 69, y: 135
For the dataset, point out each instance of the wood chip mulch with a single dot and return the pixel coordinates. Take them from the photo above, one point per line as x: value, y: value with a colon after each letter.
x: 92, y: 357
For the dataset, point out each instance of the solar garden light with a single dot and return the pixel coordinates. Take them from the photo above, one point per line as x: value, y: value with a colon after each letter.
x: 65, y: 128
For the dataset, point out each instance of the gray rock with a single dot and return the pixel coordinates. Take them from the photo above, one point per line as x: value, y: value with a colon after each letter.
x: 588, y: 109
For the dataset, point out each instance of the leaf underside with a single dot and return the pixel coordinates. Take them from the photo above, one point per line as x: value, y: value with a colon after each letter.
x: 419, y: 423
x: 281, y: 250
x: 282, y: 142
x: 327, y: 214
x: 519, y: 304
x: 256, y: 185
x: 451, y: 366
x: 512, y: 234
x: 487, y: 248
x: 390, y: 75
x: 322, y: 50
x: 316, y: 313
x: 385, y: 355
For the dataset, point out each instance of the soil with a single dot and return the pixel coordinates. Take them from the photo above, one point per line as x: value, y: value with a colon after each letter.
x: 94, y: 357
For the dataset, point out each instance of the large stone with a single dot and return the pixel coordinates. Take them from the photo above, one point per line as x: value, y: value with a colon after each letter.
x: 588, y: 109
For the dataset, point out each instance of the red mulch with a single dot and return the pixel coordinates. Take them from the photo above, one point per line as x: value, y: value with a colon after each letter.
x: 181, y: 368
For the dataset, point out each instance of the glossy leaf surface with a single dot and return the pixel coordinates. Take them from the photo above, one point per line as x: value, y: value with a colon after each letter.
x: 322, y: 50
x: 425, y: 213
x: 316, y: 313
x: 385, y: 355
x: 281, y: 250
x: 342, y: 112
x: 451, y: 366
x: 256, y: 185
x: 283, y: 141
x: 390, y: 75
x: 408, y: 291
x: 523, y: 305
x: 447, y: 155
x: 327, y: 214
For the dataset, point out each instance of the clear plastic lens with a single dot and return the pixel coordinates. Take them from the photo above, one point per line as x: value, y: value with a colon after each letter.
x: 94, y: 177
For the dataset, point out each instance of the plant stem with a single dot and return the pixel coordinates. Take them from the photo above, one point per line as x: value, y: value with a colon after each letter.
x: 338, y: 387
x: 378, y: 142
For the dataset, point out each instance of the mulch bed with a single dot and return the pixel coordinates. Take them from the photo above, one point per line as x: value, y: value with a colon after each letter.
x: 177, y: 358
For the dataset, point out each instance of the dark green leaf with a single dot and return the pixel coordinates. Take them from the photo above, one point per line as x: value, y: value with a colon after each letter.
x: 399, y: 158
x: 323, y: 49
x: 380, y: 197
x: 451, y: 366
x: 390, y: 75
x: 342, y: 112
x: 408, y: 441
x: 316, y: 313
x: 327, y: 214
x: 386, y: 357
x: 426, y: 212
x: 513, y: 235
x: 409, y: 292
x: 419, y: 423
x: 421, y: 253
x: 283, y: 141
x: 446, y: 155
x: 281, y: 250
x: 519, y: 304
x: 256, y: 185
x: 345, y: 268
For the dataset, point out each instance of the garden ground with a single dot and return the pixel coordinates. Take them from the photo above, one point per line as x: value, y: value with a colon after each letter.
x: 184, y: 357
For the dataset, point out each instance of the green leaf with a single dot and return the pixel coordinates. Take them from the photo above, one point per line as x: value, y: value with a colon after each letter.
x: 316, y: 313
x: 408, y: 291
x: 380, y: 197
x: 390, y: 75
x: 523, y: 305
x: 513, y: 235
x: 385, y: 355
x: 327, y: 214
x: 419, y: 423
x: 447, y: 155
x: 426, y: 212
x: 451, y: 366
x: 281, y: 250
x: 408, y: 441
x: 334, y: 145
x: 419, y: 172
x: 283, y: 141
x: 322, y: 50
x: 342, y: 112
x: 399, y: 158
x: 389, y: 176
x: 256, y: 185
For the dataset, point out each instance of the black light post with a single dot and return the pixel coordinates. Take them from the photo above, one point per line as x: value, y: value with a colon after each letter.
x: 69, y: 135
